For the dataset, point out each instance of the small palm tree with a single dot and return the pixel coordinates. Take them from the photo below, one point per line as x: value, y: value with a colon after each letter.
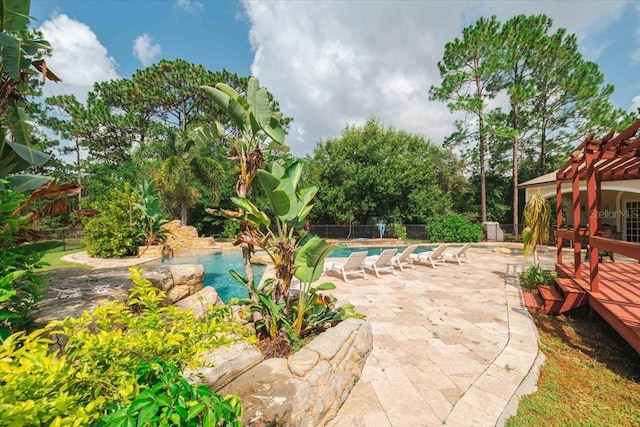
x: 537, y: 221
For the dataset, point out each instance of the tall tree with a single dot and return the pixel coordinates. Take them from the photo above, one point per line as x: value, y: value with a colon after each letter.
x: 523, y: 38
x: 469, y: 70
x: 373, y: 171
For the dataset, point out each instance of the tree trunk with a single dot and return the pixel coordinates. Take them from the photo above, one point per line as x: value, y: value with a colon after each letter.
x: 183, y: 214
x: 543, y: 148
x: 247, y: 250
x: 483, y: 174
x: 516, y: 141
x: 79, y: 174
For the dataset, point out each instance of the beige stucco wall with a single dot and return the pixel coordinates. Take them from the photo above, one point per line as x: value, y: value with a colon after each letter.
x: 615, y: 194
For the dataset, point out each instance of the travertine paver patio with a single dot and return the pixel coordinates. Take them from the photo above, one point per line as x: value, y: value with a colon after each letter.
x: 452, y: 345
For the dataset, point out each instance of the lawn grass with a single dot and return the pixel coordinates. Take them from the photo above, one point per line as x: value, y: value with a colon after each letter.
x: 591, y: 376
x: 54, y: 260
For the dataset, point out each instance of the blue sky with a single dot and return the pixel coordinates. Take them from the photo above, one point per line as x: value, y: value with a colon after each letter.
x: 329, y: 63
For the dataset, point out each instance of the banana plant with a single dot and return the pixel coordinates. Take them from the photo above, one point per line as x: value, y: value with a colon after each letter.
x: 312, y: 308
x: 257, y: 128
x: 278, y: 239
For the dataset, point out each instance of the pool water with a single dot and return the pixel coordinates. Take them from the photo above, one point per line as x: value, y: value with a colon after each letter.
x: 217, y: 266
x: 216, y: 272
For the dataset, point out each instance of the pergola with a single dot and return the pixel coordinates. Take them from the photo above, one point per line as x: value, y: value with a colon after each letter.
x: 613, y: 157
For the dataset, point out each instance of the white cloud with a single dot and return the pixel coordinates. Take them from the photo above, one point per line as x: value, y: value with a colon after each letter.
x: 192, y: 6
x: 144, y: 49
x: 333, y: 63
x: 78, y: 57
x: 635, y: 103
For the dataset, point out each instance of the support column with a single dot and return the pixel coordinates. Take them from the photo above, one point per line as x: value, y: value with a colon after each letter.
x: 594, y: 221
x: 575, y: 196
x: 558, y: 220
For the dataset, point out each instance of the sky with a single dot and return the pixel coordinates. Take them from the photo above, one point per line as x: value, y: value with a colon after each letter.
x: 328, y: 63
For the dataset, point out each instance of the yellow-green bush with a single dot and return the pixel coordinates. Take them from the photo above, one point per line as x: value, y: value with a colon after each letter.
x: 98, y: 368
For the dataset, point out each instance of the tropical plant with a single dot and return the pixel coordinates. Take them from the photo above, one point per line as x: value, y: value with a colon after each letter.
x: 291, y: 207
x: 454, y: 229
x: 152, y: 216
x: 537, y: 221
x: 314, y: 310
x: 291, y: 256
x: 168, y: 398
x: 256, y: 127
x: 534, y: 276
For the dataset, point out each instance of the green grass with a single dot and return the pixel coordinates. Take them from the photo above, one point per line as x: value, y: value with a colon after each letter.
x: 591, y: 376
x: 54, y: 260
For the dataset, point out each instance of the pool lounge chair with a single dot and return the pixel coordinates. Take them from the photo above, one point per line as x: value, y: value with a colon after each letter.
x: 403, y: 259
x: 457, y: 254
x: 381, y: 262
x: 353, y: 265
x: 433, y: 257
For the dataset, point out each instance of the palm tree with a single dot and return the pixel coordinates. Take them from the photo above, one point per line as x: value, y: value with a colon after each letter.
x: 185, y: 165
x: 537, y: 221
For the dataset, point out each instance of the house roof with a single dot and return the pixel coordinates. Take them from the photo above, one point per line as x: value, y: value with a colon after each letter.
x: 542, y: 179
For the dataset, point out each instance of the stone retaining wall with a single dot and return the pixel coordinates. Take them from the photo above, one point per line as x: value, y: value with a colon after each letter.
x: 71, y: 291
x: 306, y: 389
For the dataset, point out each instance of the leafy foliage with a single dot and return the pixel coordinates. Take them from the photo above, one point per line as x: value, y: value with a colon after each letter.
x: 108, y: 361
x: 454, y: 229
x: 537, y: 221
x: 376, y: 171
x: 169, y: 399
x: 152, y: 217
x: 20, y: 287
x: 291, y: 255
x: 114, y: 233
x: 534, y: 276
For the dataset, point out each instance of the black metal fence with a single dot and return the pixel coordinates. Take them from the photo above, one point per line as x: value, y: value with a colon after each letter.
x: 70, y: 238
x: 492, y: 232
x: 353, y: 231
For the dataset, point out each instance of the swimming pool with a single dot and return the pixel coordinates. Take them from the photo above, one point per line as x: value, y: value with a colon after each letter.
x: 217, y: 266
x: 216, y: 272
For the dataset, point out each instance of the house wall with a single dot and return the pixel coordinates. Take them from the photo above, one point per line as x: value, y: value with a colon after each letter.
x: 615, y: 195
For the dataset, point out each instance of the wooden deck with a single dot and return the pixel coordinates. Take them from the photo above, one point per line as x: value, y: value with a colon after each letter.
x: 618, y: 299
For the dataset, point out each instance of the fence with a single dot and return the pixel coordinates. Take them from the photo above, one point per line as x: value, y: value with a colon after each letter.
x: 414, y: 232
x: 70, y: 238
x: 354, y: 231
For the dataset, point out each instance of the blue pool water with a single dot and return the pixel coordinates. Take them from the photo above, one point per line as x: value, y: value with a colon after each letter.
x: 217, y: 266
x: 216, y: 272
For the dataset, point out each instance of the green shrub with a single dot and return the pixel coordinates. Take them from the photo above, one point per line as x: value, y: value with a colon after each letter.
x: 230, y: 230
x: 454, y: 229
x: 97, y: 373
x: 534, y: 276
x: 400, y: 231
x: 169, y: 399
x: 114, y: 233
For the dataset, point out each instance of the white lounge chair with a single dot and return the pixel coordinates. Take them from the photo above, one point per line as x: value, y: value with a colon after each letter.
x: 353, y: 265
x: 381, y: 262
x: 433, y: 257
x: 400, y: 260
x: 458, y: 254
